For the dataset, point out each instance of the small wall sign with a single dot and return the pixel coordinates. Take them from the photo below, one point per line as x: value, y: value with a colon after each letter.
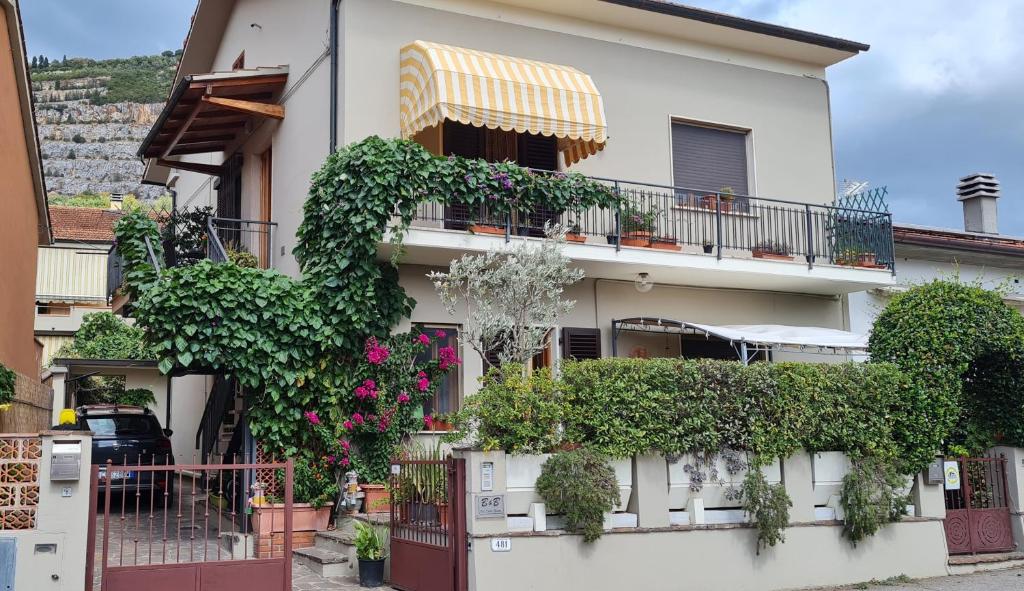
x: 487, y: 476
x: 489, y: 506
x: 951, y: 471
x: 501, y: 544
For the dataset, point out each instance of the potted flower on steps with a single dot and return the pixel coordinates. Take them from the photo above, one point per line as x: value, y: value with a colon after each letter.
x: 371, y: 550
x: 313, y: 488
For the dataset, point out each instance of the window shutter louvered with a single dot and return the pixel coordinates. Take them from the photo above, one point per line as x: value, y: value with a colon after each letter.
x: 581, y: 343
x: 708, y: 159
x: 466, y: 141
x: 538, y: 151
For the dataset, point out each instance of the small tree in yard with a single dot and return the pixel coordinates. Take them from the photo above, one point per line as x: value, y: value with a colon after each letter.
x: 513, y: 297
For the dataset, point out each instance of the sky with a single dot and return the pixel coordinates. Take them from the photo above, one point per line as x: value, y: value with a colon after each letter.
x: 939, y: 95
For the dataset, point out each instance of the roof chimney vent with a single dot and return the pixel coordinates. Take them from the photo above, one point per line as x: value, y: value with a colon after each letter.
x: 978, y: 193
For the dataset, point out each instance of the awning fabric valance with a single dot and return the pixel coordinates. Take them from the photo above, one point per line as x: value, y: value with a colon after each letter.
x: 441, y: 82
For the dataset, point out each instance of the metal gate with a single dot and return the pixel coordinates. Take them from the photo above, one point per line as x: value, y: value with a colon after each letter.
x: 187, y: 528
x: 428, y: 525
x: 978, y: 514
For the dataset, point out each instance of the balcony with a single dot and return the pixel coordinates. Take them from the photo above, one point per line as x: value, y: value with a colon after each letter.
x: 687, y: 237
x: 249, y: 243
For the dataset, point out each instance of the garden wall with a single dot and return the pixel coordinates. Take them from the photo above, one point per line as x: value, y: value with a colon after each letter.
x: 665, y: 538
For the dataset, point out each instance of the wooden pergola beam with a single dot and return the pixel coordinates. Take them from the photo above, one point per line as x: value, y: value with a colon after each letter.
x: 181, y: 130
x: 247, y: 107
x: 209, y: 169
x: 235, y: 82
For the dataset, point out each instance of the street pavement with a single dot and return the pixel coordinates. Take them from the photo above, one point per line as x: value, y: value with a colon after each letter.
x: 1000, y: 580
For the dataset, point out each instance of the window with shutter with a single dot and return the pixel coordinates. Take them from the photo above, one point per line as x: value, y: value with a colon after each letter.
x: 708, y: 159
x: 581, y: 343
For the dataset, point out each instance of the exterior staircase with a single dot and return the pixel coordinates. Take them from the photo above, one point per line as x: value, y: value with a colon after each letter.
x: 333, y: 553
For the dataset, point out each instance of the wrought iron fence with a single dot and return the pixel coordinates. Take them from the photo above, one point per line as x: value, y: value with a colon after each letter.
x: 720, y: 223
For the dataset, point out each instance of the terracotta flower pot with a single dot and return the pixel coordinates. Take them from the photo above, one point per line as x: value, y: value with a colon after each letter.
x: 636, y: 238
x: 376, y: 498
x: 487, y: 229
x: 764, y: 254
x: 665, y: 244
x: 270, y: 518
x: 442, y: 515
x: 572, y: 237
x: 866, y: 259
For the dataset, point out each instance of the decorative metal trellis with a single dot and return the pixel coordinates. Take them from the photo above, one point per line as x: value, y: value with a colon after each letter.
x: 19, y: 481
x: 861, y: 223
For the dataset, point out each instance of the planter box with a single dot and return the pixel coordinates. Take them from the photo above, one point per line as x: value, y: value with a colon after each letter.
x: 642, y: 239
x: 764, y: 254
x: 663, y: 244
x: 486, y: 229
x: 270, y: 518
x: 577, y: 238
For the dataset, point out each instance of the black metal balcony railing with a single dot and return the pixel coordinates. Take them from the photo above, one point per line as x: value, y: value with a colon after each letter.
x: 246, y: 242
x: 720, y: 224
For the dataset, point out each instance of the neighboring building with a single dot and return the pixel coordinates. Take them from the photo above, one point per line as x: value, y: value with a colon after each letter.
x: 72, y: 277
x: 24, y: 226
x: 976, y: 253
x: 680, y: 106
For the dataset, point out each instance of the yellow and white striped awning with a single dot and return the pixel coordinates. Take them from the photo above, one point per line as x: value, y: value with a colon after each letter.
x: 441, y: 82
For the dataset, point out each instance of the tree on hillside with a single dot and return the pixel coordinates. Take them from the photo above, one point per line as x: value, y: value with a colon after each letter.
x: 35, y: 62
x: 967, y: 346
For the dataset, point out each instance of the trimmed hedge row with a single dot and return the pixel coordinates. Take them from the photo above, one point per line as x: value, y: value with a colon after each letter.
x: 623, y: 407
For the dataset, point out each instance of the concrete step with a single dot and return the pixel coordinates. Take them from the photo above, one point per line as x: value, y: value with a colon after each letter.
x: 336, y: 541
x: 975, y: 563
x: 322, y: 562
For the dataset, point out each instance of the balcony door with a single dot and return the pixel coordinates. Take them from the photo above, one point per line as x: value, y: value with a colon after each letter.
x: 496, y: 145
x: 229, y: 201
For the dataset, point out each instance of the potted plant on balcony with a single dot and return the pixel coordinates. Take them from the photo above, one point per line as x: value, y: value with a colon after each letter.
x: 858, y: 257
x: 573, y: 233
x: 772, y: 249
x: 637, y: 225
x: 709, y: 247
x: 314, y: 488
x: 665, y: 243
x: 371, y: 550
x: 726, y: 195
x: 477, y: 227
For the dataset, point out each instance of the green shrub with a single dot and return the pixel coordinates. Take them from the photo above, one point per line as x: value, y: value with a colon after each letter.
x: 105, y: 335
x: 7, y: 381
x: 965, y: 346
x: 137, y: 397
x: 768, y: 507
x: 581, y: 485
x: 314, y: 481
x: 370, y: 541
x: 243, y: 258
x: 520, y: 415
x: 624, y: 407
x: 869, y: 498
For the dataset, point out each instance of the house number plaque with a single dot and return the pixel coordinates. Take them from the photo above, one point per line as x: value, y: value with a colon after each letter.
x: 489, y: 506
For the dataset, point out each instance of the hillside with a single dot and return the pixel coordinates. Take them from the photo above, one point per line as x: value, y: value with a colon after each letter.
x: 92, y: 116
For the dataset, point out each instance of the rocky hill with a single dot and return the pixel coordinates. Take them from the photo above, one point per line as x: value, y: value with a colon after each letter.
x: 92, y: 116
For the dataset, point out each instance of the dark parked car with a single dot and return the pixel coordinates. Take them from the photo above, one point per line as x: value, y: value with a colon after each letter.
x: 128, y: 436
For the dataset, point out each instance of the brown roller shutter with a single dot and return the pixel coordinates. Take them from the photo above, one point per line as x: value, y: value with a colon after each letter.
x: 708, y: 159
x: 581, y: 343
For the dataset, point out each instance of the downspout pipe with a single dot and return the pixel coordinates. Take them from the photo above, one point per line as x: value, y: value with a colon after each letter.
x: 333, y: 108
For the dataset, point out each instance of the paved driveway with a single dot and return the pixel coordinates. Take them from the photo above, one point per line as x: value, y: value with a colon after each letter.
x: 1001, y: 580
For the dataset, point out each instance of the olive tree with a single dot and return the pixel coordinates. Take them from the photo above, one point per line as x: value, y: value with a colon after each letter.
x: 512, y: 296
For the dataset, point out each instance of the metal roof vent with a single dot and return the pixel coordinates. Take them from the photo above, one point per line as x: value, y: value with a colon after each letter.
x: 978, y: 193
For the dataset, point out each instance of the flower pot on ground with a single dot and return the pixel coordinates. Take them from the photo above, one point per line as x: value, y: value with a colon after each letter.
x: 268, y: 519
x: 371, y: 550
x: 376, y: 498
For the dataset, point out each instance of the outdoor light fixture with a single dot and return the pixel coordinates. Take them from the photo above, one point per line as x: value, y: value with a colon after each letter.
x: 643, y: 283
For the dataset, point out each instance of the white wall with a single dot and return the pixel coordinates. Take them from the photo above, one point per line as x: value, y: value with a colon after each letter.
x: 867, y: 305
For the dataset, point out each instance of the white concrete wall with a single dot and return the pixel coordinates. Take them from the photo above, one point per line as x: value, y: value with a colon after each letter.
x: 791, y: 152
x: 866, y: 306
x: 61, y: 520
x: 659, y: 555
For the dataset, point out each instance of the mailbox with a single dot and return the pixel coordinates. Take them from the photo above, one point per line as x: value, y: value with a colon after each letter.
x: 934, y: 474
x: 66, y: 460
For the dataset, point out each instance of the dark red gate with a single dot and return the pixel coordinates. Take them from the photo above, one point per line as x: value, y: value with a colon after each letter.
x: 978, y: 514
x: 428, y: 525
x: 189, y: 528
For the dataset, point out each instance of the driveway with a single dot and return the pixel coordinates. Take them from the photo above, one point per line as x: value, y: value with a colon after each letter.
x: 1000, y: 580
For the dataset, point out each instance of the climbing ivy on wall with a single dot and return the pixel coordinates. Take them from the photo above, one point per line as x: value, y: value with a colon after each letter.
x: 295, y: 342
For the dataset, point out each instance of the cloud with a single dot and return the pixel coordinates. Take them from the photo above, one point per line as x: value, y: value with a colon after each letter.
x: 938, y: 96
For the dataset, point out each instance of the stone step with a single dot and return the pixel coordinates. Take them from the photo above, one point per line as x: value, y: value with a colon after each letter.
x: 336, y: 541
x: 323, y: 562
x: 975, y: 563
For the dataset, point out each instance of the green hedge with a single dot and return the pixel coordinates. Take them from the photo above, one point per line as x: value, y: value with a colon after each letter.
x: 7, y: 382
x: 623, y: 407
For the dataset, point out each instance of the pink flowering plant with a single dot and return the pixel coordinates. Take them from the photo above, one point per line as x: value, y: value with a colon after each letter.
x: 381, y: 403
